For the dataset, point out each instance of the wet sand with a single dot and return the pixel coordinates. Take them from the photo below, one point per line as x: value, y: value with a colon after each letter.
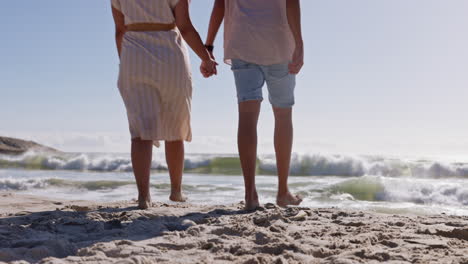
x: 34, y: 229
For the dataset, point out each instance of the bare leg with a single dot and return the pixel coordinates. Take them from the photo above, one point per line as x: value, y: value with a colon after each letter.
x: 283, y: 148
x: 142, y: 152
x: 175, y: 162
x: 247, y: 144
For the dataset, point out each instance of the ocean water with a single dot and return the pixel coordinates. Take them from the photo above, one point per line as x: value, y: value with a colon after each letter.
x: 383, y: 184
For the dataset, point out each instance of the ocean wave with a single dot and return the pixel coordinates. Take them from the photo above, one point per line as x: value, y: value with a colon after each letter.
x: 419, y: 191
x: 84, y: 162
x: 10, y: 184
x: 301, y: 165
x: 448, y: 192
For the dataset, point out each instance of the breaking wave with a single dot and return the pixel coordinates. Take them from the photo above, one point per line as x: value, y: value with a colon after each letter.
x: 366, y: 188
x: 22, y: 184
x: 301, y: 165
x: 419, y: 191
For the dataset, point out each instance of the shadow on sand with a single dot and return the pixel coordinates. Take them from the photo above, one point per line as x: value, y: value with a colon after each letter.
x: 34, y: 236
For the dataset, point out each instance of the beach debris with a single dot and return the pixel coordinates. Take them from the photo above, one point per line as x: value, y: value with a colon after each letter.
x: 300, y: 216
x: 188, y: 223
x: 270, y: 206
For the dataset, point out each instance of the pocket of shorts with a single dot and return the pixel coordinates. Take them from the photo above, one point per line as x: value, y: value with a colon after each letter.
x: 278, y: 71
x: 237, y: 64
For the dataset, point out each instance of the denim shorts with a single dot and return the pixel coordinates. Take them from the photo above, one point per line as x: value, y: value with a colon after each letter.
x: 251, y: 77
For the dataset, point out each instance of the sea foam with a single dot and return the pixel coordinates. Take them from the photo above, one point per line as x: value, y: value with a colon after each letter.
x: 301, y: 165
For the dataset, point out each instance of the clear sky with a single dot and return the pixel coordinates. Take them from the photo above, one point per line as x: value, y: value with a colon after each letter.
x: 380, y: 77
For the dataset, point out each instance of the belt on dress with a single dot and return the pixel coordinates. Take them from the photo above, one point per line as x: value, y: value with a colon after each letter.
x: 139, y: 27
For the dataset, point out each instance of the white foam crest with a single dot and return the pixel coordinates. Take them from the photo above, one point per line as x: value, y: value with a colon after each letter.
x: 304, y: 164
x: 109, y: 162
x: 196, y: 161
x: 20, y: 158
x: 418, y: 169
x: 318, y: 165
x: 438, y: 170
x: 425, y: 191
x: 10, y: 184
x: 85, y: 162
x: 342, y: 165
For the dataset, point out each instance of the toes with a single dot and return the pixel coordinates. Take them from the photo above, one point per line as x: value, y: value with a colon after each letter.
x: 299, y: 198
x: 143, y: 206
x: 177, y: 198
x: 289, y: 200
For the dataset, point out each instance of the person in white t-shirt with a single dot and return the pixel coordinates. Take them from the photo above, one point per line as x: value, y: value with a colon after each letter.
x: 263, y: 43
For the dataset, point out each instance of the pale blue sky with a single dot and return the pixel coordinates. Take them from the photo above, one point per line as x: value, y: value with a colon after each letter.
x: 380, y: 77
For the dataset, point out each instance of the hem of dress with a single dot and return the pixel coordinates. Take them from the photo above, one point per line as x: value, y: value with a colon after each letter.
x: 156, y: 142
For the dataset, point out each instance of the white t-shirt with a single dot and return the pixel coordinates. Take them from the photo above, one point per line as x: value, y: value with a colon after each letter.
x: 257, y: 31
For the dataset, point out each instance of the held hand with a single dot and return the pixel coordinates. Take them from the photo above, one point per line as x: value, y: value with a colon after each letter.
x: 213, y: 58
x: 208, y: 68
x: 211, y: 55
x: 297, y: 61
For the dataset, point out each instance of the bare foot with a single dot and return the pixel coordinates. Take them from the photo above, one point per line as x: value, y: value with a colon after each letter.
x: 251, y: 204
x: 251, y: 201
x: 177, y: 197
x: 288, y: 199
x: 144, y: 203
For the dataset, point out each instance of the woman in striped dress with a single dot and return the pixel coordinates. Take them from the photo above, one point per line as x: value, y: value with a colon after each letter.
x: 155, y: 83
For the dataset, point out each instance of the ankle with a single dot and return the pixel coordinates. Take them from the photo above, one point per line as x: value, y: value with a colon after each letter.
x: 282, y: 192
x: 143, y: 195
x: 176, y: 190
x: 251, y: 195
x: 144, y: 199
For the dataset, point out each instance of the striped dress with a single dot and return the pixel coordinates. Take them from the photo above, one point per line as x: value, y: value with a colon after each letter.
x: 155, y: 80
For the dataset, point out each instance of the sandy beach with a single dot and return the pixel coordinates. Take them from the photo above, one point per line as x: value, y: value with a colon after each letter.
x: 34, y: 229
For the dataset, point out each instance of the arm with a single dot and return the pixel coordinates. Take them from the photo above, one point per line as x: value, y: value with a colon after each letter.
x: 294, y: 20
x: 216, y: 19
x: 119, y: 20
x: 191, y: 36
x: 187, y: 30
